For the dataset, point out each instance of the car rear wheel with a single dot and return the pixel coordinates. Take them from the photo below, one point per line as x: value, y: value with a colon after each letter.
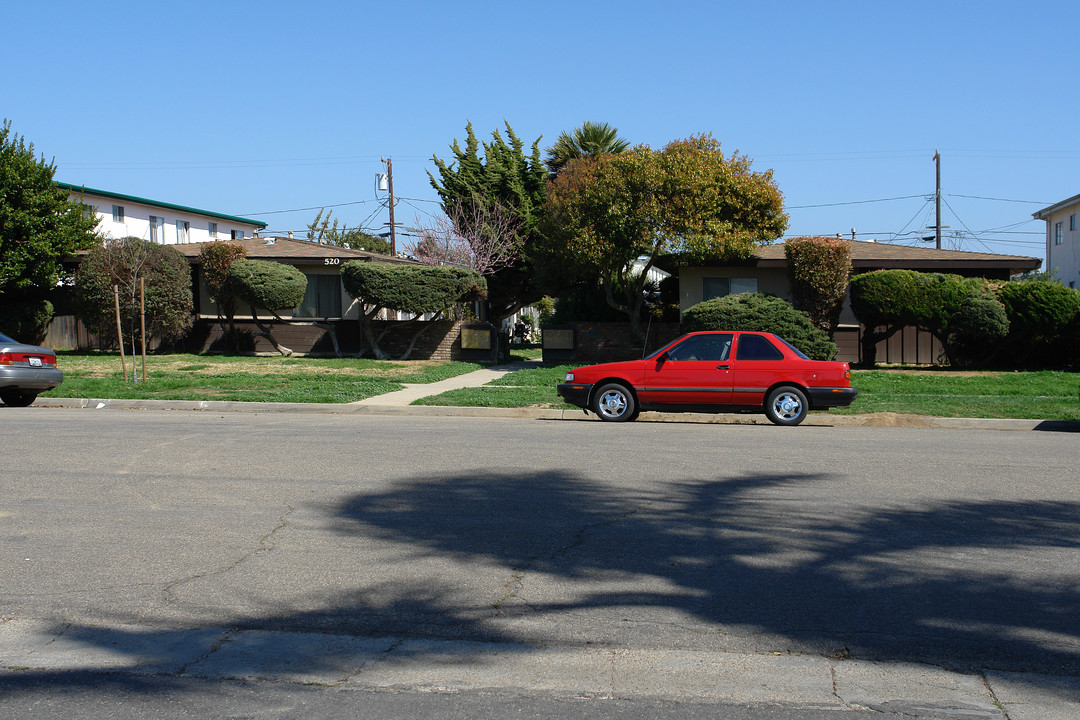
x: 786, y: 406
x: 17, y: 398
x: 614, y: 403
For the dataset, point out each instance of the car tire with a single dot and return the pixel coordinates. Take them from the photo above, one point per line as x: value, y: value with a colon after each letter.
x: 613, y: 402
x: 17, y: 398
x: 786, y: 405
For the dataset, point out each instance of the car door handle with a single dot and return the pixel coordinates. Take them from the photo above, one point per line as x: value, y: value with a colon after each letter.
x: 723, y: 367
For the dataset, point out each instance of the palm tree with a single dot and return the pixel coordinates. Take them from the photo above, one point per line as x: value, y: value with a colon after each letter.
x: 586, y: 141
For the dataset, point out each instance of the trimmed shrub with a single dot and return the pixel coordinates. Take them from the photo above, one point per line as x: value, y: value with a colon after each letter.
x: 1043, y: 317
x: 886, y: 301
x: 759, y: 312
x: 415, y: 289
x: 818, y: 269
x: 271, y: 286
x: 976, y: 331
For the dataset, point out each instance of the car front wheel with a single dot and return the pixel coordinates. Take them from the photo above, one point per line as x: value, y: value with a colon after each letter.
x: 614, y: 403
x: 786, y: 406
x: 17, y: 398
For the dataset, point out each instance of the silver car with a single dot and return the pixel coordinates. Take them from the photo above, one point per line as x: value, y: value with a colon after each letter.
x: 25, y: 371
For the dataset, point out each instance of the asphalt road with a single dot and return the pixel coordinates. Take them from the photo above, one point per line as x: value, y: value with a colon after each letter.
x: 954, y: 550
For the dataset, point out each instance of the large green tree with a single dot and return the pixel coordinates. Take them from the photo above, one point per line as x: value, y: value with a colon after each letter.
x: 39, y: 227
x: 687, y: 200
x: 589, y: 140
x: 131, y: 265
x: 502, y: 180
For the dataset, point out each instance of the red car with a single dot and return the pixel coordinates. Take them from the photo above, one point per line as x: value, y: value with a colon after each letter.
x: 713, y: 372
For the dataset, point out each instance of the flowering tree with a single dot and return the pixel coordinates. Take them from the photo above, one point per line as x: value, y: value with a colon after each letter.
x: 480, y: 236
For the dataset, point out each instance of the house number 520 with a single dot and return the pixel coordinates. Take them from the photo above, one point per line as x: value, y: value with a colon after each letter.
x: 331, y: 261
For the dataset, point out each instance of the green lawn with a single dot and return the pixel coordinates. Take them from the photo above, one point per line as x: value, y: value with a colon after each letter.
x: 943, y: 393
x: 254, y: 379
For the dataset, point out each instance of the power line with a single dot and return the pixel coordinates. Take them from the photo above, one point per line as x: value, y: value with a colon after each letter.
x: 980, y: 197
x: 855, y: 202
x: 315, y: 207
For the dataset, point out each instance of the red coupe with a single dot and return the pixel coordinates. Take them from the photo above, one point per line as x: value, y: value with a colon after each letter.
x: 713, y: 372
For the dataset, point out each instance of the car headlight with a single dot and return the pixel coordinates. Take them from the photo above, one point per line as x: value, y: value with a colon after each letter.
x: 569, y: 377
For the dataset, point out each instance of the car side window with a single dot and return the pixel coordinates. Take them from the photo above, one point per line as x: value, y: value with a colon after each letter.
x: 757, y: 347
x: 710, y: 348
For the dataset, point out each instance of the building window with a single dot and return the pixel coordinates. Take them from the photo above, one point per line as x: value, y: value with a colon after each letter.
x: 183, y: 230
x: 118, y: 213
x: 714, y: 287
x: 1058, y: 234
x: 157, y: 230
x: 1072, y: 222
x: 237, y: 234
x: 322, y: 299
x: 212, y: 227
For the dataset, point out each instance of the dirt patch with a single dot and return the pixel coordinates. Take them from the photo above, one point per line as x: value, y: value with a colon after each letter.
x: 889, y: 419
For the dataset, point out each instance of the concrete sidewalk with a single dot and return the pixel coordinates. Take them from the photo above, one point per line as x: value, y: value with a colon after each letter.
x: 476, y: 378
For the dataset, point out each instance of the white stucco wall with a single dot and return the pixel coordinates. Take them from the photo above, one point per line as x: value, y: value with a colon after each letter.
x: 1064, y: 260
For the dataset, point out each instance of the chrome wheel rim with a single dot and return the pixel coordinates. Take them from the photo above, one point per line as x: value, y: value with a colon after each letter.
x: 787, y: 406
x: 613, y: 404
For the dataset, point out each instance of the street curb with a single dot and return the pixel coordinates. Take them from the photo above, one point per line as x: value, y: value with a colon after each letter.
x: 823, y: 419
x: 33, y: 645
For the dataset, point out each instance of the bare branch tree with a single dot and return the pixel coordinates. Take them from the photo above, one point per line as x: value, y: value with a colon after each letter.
x: 479, y: 236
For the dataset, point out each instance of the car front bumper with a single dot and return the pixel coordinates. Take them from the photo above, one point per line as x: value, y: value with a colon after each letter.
x: 827, y: 397
x: 575, y: 393
x: 29, y: 378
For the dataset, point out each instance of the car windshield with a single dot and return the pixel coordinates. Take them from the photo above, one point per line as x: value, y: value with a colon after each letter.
x: 5, y: 339
x: 794, y: 349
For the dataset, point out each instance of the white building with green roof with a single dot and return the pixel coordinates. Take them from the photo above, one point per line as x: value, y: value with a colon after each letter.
x: 160, y: 222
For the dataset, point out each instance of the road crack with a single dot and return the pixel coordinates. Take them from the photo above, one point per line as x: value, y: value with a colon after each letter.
x: 516, y: 582
x: 266, y: 543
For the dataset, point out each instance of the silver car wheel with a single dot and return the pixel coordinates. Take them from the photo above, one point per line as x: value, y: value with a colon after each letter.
x: 786, y: 406
x: 614, y: 403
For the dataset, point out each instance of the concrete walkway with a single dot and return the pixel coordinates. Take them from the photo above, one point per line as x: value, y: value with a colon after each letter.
x: 415, y: 391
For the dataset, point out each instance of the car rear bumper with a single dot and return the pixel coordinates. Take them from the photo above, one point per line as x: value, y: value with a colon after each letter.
x: 28, y: 378
x: 827, y: 397
x: 575, y: 393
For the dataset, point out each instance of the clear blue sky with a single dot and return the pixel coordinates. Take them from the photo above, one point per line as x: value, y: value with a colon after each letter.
x: 254, y: 108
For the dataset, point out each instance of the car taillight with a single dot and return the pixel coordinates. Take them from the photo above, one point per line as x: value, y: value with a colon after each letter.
x: 10, y: 358
x: 847, y: 375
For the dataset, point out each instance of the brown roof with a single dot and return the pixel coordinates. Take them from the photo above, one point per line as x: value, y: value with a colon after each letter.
x: 292, y: 251
x: 874, y: 255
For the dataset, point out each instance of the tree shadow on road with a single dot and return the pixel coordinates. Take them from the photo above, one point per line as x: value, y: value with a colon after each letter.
x: 919, y: 583
x: 737, y: 556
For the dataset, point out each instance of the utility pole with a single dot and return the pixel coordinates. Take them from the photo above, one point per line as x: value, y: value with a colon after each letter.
x: 390, y: 180
x: 937, y: 198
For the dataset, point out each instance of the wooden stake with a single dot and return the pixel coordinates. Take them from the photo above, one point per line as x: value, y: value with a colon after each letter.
x: 142, y: 323
x: 119, y: 329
